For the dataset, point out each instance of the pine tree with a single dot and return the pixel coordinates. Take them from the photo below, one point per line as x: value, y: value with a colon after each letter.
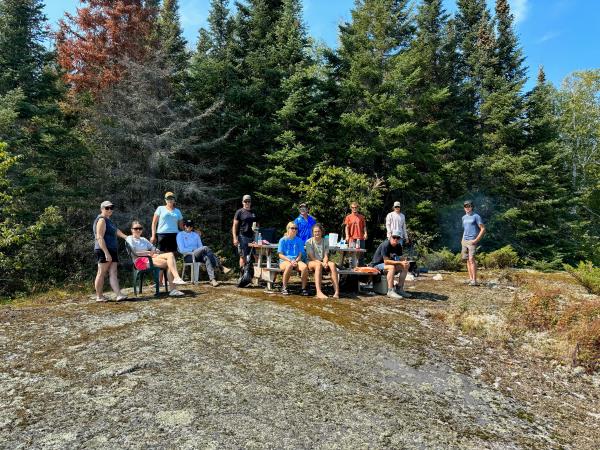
x: 23, y: 54
x: 170, y: 35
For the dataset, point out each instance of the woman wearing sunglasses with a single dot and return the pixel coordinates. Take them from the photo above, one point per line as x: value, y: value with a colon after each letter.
x: 291, y: 254
x: 166, y: 223
x: 142, y: 247
x: 106, y: 250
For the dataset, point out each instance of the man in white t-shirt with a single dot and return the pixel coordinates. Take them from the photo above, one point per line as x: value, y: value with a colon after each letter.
x: 396, y: 221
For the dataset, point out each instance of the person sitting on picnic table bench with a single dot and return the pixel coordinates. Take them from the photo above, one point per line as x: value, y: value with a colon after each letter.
x: 317, y: 250
x: 387, y: 257
x: 189, y: 241
x: 291, y: 255
x: 143, y: 247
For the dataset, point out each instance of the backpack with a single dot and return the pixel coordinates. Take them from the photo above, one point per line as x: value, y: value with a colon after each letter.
x: 247, y: 273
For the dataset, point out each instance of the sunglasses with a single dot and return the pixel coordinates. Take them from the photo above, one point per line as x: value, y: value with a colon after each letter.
x: 246, y: 201
x: 395, y: 237
x: 109, y: 208
x: 396, y: 207
x: 170, y: 199
x: 468, y: 206
x: 292, y: 228
x: 137, y: 228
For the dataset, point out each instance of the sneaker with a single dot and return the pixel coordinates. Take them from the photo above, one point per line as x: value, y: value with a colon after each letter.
x: 176, y: 293
x: 225, y: 270
x: 393, y: 294
x: 121, y: 297
x: 179, y: 281
x: 214, y: 283
x: 473, y: 283
x: 304, y: 292
x: 284, y: 291
x: 101, y: 299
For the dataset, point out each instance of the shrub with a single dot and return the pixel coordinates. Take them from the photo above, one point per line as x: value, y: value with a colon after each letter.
x: 502, y: 258
x: 581, y: 324
x: 539, y: 311
x: 442, y: 260
x: 587, y: 275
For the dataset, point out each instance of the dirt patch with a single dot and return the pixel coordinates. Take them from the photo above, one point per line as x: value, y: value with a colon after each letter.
x: 228, y: 367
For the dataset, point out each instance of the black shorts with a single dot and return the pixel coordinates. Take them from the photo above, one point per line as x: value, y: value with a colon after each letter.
x: 243, y: 247
x: 102, y: 259
x: 167, y: 242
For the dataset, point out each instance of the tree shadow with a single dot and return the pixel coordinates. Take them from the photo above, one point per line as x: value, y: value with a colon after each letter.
x: 428, y: 296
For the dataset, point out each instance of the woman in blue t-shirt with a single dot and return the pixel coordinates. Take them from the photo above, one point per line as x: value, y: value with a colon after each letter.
x: 291, y: 255
x: 166, y: 223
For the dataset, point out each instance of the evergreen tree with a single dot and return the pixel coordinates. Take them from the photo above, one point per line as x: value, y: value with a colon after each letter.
x: 23, y: 54
x: 170, y: 35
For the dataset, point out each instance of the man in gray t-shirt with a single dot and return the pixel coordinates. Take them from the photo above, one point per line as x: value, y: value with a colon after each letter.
x: 473, y: 231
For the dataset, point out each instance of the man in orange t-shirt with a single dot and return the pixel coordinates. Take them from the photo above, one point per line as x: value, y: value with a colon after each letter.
x: 356, y: 227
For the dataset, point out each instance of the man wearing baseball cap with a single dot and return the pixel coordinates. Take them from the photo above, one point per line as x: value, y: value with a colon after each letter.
x: 395, y: 220
x: 242, y: 230
x: 473, y: 231
x: 388, y: 257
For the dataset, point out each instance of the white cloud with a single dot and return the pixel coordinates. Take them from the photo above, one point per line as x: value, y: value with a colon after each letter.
x: 519, y: 8
x: 547, y: 37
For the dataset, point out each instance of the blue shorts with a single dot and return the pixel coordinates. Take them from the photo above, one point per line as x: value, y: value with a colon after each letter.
x: 380, y: 267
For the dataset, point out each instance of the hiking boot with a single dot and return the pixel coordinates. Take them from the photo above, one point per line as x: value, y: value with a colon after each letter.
x: 393, y: 294
x: 214, y: 283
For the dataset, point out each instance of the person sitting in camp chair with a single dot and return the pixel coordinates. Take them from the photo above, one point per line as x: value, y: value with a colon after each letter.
x: 190, y: 241
x: 142, y: 247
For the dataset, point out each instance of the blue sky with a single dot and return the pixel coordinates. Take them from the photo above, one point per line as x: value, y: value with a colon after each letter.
x: 561, y: 35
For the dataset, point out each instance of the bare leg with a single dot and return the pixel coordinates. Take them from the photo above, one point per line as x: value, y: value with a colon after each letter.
x: 334, y: 279
x: 403, y: 272
x: 472, y: 264
x: 318, y: 268
x: 287, y: 273
x: 163, y: 263
x: 113, y: 278
x: 303, y: 273
x: 100, y: 276
x: 391, y: 271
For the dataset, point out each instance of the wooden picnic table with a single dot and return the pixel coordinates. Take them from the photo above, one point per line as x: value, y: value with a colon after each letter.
x: 266, y: 269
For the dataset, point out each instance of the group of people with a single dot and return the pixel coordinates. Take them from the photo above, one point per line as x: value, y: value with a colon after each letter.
x: 170, y: 234
x: 303, y: 248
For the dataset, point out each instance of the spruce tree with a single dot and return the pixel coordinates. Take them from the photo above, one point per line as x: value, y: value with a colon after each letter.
x: 23, y: 54
x: 170, y: 35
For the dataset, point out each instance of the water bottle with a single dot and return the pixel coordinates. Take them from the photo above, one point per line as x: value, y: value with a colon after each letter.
x: 357, y: 242
x: 259, y: 241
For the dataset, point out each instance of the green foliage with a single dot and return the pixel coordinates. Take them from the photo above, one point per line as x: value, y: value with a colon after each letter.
x: 443, y: 259
x: 587, y: 275
x: 329, y: 191
x: 502, y: 258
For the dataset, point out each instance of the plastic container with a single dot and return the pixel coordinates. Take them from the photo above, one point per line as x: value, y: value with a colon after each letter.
x: 333, y: 237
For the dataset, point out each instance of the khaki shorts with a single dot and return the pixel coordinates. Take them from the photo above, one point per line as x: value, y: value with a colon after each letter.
x: 468, y: 250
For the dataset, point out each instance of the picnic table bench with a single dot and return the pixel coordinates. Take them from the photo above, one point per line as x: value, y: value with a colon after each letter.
x: 266, y: 266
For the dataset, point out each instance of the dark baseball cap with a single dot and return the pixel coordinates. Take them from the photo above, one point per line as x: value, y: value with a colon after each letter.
x: 188, y: 223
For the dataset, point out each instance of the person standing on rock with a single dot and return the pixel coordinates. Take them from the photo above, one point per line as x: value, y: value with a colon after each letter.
x: 395, y: 220
x: 242, y: 229
x: 166, y: 223
x: 473, y: 231
x: 387, y: 257
x: 106, y: 250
